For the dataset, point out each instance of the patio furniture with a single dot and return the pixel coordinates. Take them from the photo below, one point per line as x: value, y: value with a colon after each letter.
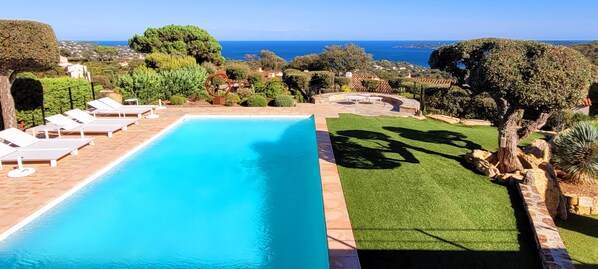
x: 69, y: 125
x: 32, y: 149
x: 356, y: 98
x: 118, y: 105
x: 25, y: 141
x: 374, y: 99
x: 101, y: 108
x: 85, y: 118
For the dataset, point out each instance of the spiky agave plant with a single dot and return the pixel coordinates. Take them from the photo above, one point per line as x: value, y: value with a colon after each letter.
x: 575, y: 151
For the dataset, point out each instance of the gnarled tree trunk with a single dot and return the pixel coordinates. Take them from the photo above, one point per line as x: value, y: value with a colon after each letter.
x: 508, y: 139
x: 509, y: 136
x: 9, y: 115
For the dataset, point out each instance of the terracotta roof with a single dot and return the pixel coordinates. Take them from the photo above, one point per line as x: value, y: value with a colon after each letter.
x: 439, y: 81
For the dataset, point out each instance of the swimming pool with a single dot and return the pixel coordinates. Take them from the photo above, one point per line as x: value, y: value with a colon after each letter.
x: 210, y: 193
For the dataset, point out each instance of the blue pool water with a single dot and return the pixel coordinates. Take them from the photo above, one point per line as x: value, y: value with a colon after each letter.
x: 211, y: 193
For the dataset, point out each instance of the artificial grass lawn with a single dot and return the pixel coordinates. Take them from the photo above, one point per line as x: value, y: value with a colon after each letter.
x: 580, y: 234
x: 413, y: 204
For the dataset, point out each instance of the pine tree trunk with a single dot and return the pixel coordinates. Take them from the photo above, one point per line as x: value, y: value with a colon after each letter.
x: 9, y: 115
x: 508, y: 140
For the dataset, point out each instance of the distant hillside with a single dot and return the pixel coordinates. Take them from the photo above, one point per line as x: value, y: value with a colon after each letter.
x: 590, y: 50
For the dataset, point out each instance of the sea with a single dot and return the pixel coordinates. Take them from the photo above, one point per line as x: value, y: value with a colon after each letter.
x: 415, y: 52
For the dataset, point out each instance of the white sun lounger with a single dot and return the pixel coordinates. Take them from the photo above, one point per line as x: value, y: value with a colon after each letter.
x: 118, y: 105
x: 12, y: 154
x: 70, y: 125
x: 84, y: 117
x: 25, y: 141
x: 101, y: 108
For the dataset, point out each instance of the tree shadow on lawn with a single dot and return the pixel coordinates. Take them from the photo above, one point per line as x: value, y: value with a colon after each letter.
x: 355, y: 155
x: 436, y: 137
x: 464, y: 257
x: 581, y: 224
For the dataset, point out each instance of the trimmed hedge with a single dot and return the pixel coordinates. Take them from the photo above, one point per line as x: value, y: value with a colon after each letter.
x: 232, y: 99
x: 283, y: 101
x: 177, y: 100
x: 257, y: 100
x: 30, y: 93
x: 27, y: 46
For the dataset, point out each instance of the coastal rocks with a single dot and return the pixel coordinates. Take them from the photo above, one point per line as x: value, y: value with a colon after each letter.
x: 481, y: 160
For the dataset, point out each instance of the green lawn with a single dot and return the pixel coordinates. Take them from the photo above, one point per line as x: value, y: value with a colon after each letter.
x: 580, y: 234
x: 413, y: 204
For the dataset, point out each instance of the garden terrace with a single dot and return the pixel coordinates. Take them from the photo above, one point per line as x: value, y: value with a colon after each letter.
x: 400, y: 103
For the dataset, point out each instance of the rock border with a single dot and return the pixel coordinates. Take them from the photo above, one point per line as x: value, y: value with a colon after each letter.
x: 553, y: 252
x: 403, y: 103
x: 453, y: 120
x: 582, y: 205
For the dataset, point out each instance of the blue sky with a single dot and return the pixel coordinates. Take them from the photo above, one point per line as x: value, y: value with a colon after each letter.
x: 317, y: 20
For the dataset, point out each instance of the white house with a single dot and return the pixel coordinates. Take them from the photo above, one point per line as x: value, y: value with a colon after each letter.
x: 78, y: 71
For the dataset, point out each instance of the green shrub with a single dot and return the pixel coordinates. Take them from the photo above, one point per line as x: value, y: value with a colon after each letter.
x: 321, y: 80
x: 299, y: 97
x: 563, y: 119
x: 184, y: 81
x: 245, y: 92
x: 399, y: 90
x: 559, y: 120
x: 30, y: 93
x: 575, y: 151
x: 257, y: 100
x: 232, y: 99
x: 271, y: 88
x: 237, y: 70
x: 327, y: 90
x: 177, y: 100
x: 145, y: 86
x: 342, y: 81
x: 481, y: 107
x: 283, y: 101
x: 371, y: 84
x: 346, y: 88
x: 204, y: 96
x: 150, y: 86
x: 209, y: 67
x: 254, y: 77
x: 296, y: 79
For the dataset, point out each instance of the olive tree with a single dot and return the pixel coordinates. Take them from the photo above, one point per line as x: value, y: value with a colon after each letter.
x: 182, y: 40
x: 523, y: 77
x: 24, y: 46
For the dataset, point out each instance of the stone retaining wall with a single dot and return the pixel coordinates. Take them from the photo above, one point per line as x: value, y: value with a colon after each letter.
x: 582, y: 205
x: 553, y: 253
x: 403, y: 103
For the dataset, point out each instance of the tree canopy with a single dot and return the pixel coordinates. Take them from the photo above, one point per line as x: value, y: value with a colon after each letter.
x: 307, y: 62
x: 182, y: 40
x: 341, y: 59
x: 106, y: 53
x: 522, y: 77
x: 167, y: 62
x: 266, y: 60
x: 25, y: 46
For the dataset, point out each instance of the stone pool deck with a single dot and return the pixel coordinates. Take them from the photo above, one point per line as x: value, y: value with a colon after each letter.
x: 22, y: 197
